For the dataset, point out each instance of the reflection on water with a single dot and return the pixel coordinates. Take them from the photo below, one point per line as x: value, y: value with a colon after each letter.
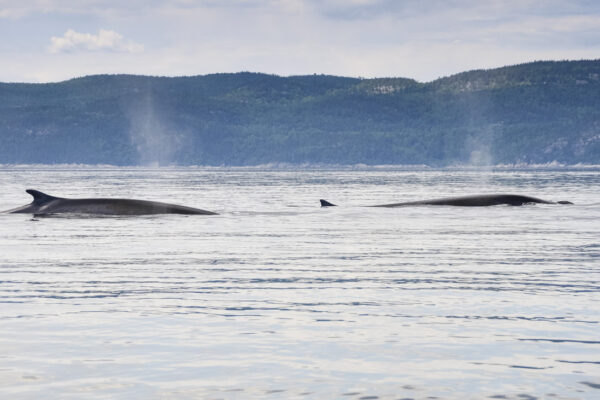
x: 279, y: 298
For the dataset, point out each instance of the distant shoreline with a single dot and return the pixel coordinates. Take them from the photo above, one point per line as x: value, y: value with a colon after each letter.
x: 529, y: 114
x: 308, y: 167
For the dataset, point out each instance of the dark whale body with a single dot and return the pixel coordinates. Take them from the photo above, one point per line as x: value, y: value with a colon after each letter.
x: 481, y: 200
x: 46, y: 204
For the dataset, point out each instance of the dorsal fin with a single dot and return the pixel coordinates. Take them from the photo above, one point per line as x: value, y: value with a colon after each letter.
x: 325, y: 203
x: 40, y: 198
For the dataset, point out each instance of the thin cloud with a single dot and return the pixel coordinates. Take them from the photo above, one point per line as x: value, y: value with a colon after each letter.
x: 105, y: 40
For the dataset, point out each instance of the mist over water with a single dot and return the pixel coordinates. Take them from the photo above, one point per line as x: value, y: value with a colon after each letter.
x: 278, y: 298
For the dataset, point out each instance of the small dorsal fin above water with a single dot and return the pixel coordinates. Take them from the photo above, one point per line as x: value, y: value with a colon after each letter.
x: 325, y: 203
x: 39, y: 197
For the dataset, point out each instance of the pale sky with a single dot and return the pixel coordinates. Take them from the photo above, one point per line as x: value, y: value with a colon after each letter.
x: 54, y: 40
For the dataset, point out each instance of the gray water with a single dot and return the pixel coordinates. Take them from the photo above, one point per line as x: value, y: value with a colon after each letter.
x: 277, y: 298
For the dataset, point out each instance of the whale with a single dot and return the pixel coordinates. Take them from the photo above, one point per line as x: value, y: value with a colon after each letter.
x: 45, y: 204
x: 481, y: 200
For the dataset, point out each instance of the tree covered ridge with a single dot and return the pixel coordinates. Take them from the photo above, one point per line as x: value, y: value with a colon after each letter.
x: 536, y: 112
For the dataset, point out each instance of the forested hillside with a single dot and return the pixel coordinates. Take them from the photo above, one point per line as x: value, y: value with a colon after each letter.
x: 533, y: 113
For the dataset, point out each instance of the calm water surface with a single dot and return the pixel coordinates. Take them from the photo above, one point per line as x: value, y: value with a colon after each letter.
x: 277, y: 298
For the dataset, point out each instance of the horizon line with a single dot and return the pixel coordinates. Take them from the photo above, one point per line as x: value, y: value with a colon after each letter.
x: 302, y: 75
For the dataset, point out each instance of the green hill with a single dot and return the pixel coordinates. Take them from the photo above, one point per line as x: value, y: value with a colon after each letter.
x: 534, y: 113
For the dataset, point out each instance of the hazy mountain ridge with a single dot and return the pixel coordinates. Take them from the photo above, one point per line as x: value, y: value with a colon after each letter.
x: 537, y: 112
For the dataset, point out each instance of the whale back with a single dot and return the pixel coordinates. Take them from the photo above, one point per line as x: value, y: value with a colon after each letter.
x: 468, y: 201
x: 44, y: 204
